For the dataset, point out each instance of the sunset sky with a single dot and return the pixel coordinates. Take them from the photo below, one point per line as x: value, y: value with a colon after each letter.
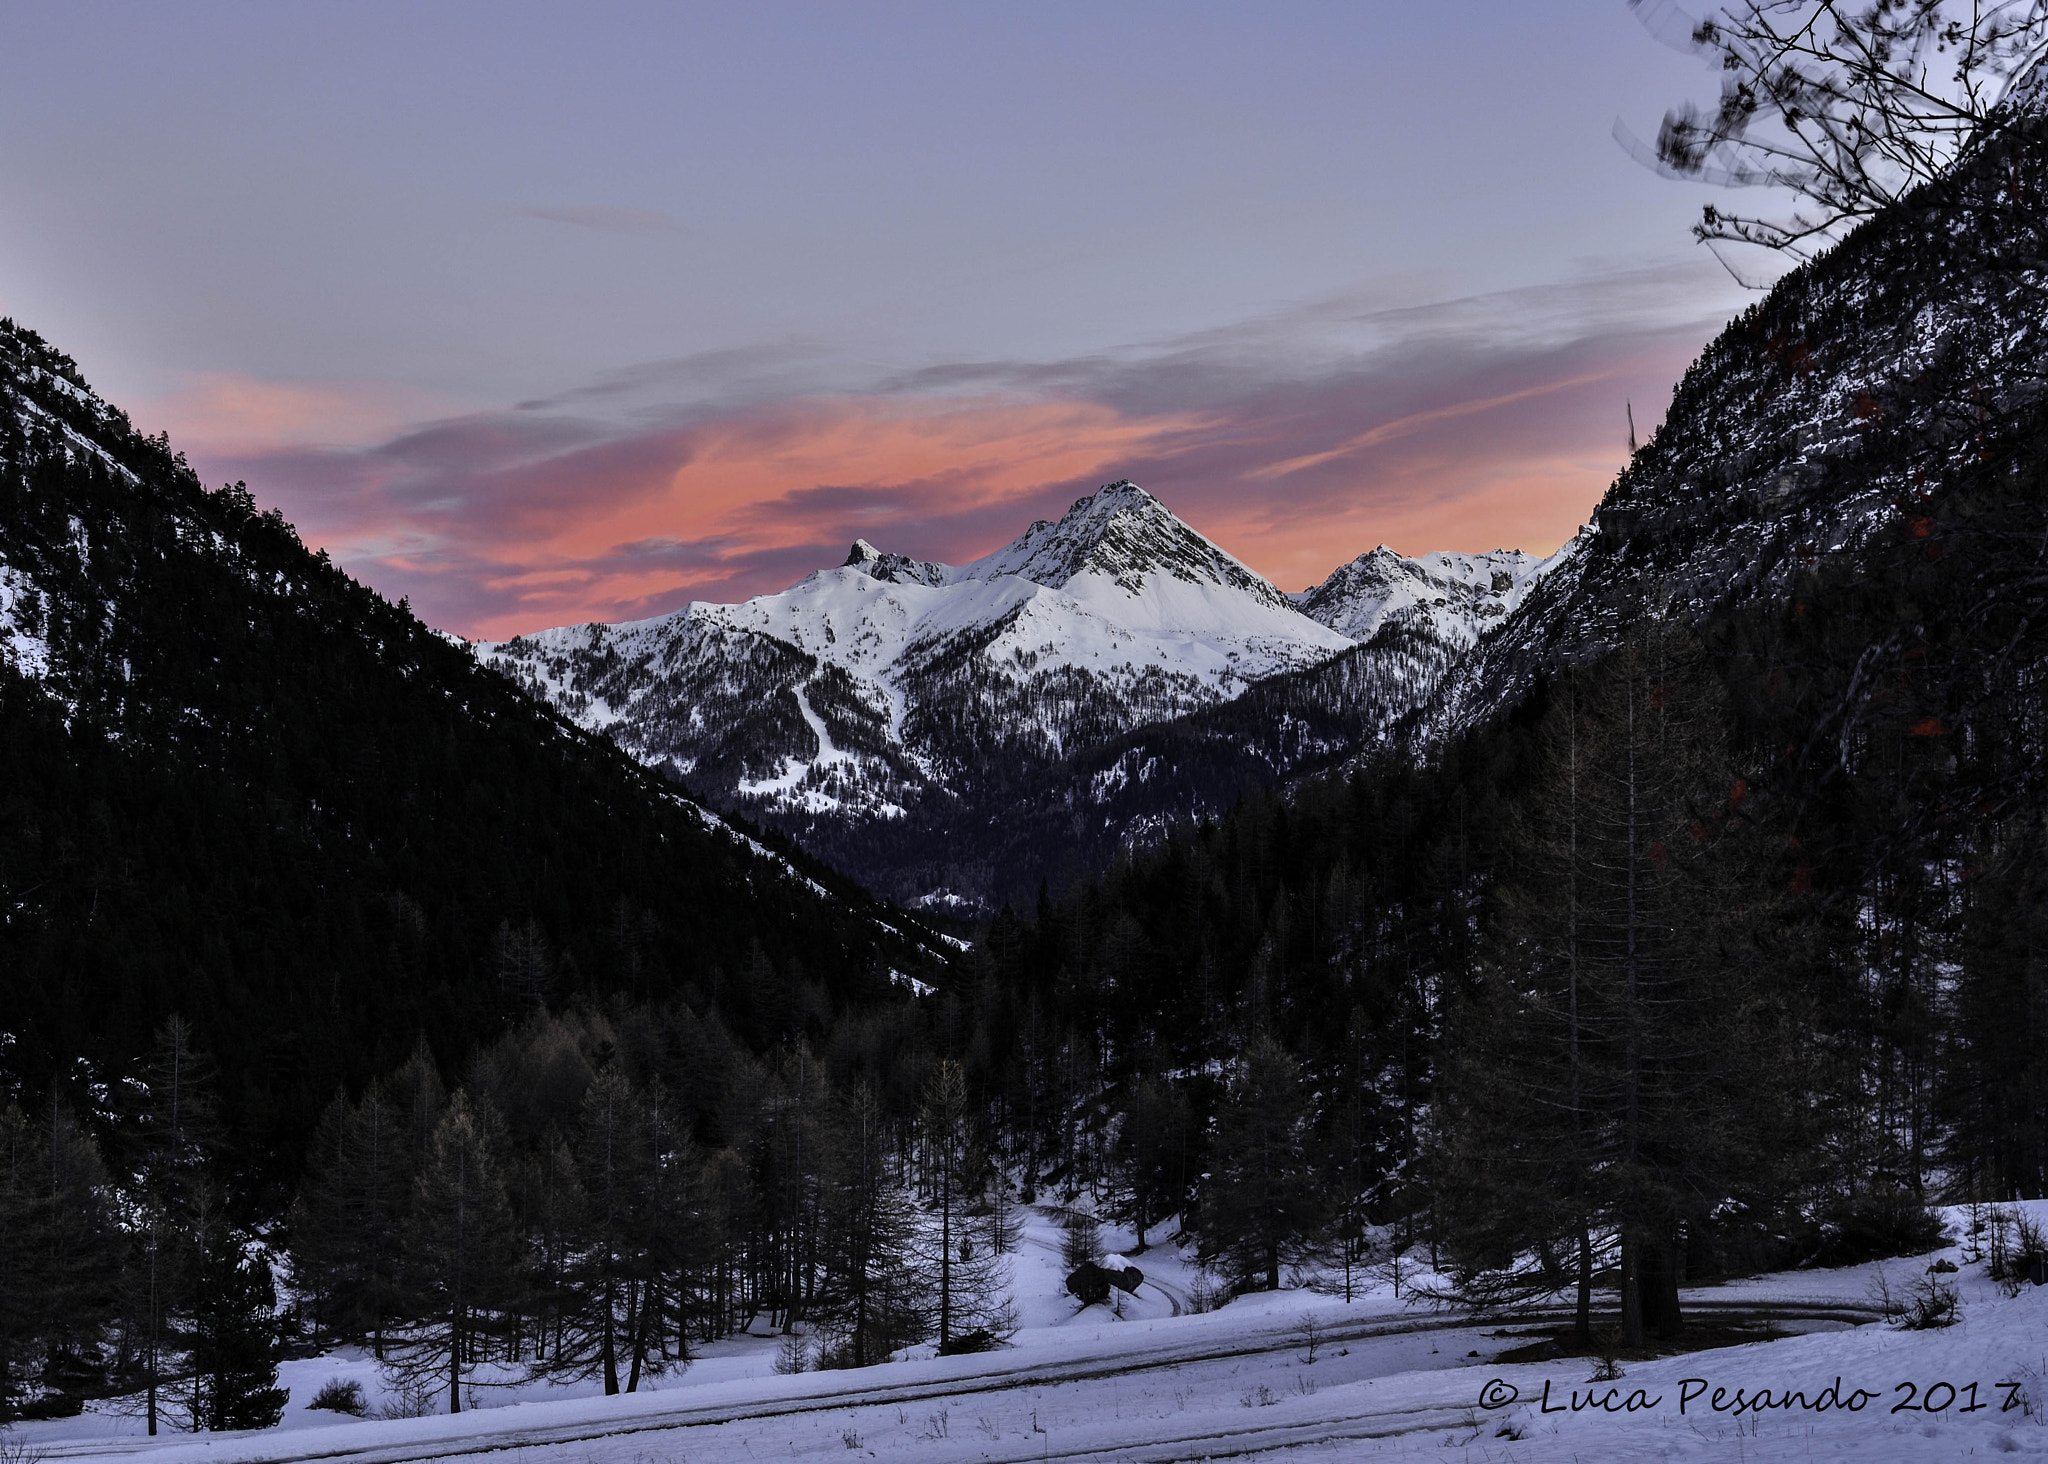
x: 547, y: 313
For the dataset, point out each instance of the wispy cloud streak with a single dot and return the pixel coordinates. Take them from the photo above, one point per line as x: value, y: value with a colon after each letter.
x: 609, y: 220
x: 1296, y: 440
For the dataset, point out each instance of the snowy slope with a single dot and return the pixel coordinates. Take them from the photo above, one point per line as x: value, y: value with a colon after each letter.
x: 1459, y: 597
x: 22, y: 615
x: 1821, y: 415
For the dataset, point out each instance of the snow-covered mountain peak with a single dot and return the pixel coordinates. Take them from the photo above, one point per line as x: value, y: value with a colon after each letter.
x: 887, y: 707
x: 1460, y: 595
x: 896, y: 569
x: 1124, y: 535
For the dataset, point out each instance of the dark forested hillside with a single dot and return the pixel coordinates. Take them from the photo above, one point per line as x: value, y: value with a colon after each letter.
x: 242, y: 787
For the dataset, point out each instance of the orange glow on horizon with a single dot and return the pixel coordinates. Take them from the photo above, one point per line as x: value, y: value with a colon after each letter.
x: 501, y: 524
x: 985, y: 452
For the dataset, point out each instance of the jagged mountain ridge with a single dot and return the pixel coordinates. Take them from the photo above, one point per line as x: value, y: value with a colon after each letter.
x: 1460, y: 596
x: 1816, y: 418
x: 242, y: 787
x: 907, y: 718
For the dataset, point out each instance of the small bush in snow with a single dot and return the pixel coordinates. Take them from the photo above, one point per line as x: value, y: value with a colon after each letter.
x: 1935, y: 1303
x: 792, y: 1354
x: 340, y: 1395
x: 1204, y: 1295
x: 414, y: 1401
x: 1309, y: 1333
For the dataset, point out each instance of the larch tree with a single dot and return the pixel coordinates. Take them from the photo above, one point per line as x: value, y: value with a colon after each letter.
x: 962, y: 1265
x: 1152, y: 1156
x: 461, y: 1256
x: 871, y: 1303
x: 1621, y: 1066
x: 1262, y: 1199
x: 348, y: 1223
x: 176, y: 1134
x: 616, y: 1165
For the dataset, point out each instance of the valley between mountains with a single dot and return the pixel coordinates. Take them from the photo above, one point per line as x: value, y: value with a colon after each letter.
x: 1057, y: 995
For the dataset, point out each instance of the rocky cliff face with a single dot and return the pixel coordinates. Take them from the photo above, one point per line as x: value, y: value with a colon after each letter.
x: 1825, y: 411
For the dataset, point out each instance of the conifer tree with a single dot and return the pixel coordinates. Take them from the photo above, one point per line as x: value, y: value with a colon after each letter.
x: 176, y: 1121
x: 25, y: 1223
x: 318, y: 1242
x: 418, y: 1099
x: 789, y: 1142
x: 176, y: 1136
x: 461, y: 1255
x: 613, y: 1265
x: 1622, y: 1069
x: 869, y: 1305
x: 1263, y: 1198
x: 546, y: 1193
x: 348, y: 1222
x: 60, y: 1248
x: 1152, y: 1154
x: 668, y: 1240
x: 959, y: 1259
x: 1354, y: 1155
x: 1080, y: 1240
x: 234, y: 1350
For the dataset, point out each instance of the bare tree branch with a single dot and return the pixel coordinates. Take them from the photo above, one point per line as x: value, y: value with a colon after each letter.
x: 1847, y: 107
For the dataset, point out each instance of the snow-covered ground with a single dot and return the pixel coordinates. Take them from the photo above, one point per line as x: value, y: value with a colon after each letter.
x: 1158, y: 1382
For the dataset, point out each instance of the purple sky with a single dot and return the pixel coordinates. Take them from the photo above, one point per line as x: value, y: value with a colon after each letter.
x: 550, y: 313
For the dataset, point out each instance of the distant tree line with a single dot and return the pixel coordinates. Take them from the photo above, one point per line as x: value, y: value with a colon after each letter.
x: 607, y: 1191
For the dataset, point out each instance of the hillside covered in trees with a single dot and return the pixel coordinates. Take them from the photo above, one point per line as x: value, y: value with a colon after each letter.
x: 245, y: 789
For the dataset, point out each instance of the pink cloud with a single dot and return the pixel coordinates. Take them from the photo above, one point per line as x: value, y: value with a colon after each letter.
x: 225, y: 412
x: 503, y: 522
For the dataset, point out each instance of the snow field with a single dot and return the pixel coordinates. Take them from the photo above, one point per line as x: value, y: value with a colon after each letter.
x: 1160, y: 1382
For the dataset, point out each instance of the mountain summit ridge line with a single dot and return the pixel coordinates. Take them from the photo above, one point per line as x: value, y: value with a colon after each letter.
x: 888, y: 695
